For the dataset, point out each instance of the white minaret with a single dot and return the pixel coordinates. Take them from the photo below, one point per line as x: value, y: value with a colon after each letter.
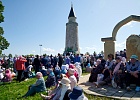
x: 72, y: 43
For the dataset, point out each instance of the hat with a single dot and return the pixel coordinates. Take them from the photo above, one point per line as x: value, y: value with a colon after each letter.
x: 71, y: 71
x: 65, y: 81
x: 77, y: 91
x: 134, y: 57
x: 71, y: 66
x: 119, y: 57
x: 77, y: 64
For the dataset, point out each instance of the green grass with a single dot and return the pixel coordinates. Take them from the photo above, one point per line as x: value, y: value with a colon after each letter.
x: 15, y: 90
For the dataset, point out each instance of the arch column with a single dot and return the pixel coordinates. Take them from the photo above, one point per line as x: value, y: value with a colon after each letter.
x: 109, y: 46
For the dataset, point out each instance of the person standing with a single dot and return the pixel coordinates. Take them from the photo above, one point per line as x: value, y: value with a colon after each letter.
x: 60, y: 60
x: 37, y: 64
x: 20, y: 67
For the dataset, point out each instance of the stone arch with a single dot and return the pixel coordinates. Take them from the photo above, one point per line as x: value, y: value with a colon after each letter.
x: 123, y: 22
x: 109, y: 45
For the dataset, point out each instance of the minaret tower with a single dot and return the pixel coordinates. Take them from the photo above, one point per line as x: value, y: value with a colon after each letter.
x: 72, y: 43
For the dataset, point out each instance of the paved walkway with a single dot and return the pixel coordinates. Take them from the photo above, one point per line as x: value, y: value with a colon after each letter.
x: 107, y: 91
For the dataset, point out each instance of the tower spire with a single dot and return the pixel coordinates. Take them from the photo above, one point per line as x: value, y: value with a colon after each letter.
x: 71, y: 14
x: 71, y: 4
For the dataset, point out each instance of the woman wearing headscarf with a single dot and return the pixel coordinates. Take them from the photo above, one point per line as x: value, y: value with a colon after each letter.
x: 51, y: 80
x: 39, y: 86
x: 7, y: 76
x: 97, y: 69
x: 72, y: 78
x: 77, y: 94
x: 61, y: 92
x: 75, y: 72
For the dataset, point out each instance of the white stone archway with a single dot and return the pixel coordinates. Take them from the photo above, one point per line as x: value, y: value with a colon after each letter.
x: 109, y: 45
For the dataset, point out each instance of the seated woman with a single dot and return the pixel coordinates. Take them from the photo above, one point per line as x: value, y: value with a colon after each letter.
x: 75, y: 72
x: 27, y: 71
x: 133, y: 73
x: 7, y: 77
x: 72, y: 78
x: 77, y: 94
x: 79, y: 69
x: 88, y: 68
x: 57, y: 72
x: 43, y: 71
x: 117, y: 73
x: 50, y: 81
x: 64, y: 69
x: 39, y: 86
x: 105, y: 72
x: 97, y: 69
x: 61, y: 92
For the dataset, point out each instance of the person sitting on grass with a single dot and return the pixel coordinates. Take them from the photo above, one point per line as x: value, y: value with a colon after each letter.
x: 64, y: 69
x: 133, y: 73
x: 57, y: 72
x: 28, y: 71
x: 7, y: 77
x: 79, y: 69
x: 39, y: 86
x: 75, y: 72
x: 72, y: 78
x: 51, y: 80
x: 44, y: 71
x: 77, y: 94
x: 61, y: 92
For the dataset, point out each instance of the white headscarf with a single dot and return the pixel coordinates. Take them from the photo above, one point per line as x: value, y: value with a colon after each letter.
x: 64, y: 90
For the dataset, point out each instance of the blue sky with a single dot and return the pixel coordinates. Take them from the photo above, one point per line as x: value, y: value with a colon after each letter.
x: 29, y: 23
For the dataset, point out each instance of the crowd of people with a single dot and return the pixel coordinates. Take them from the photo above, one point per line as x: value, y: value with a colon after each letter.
x: 116, y: 71
x: 63, y: 73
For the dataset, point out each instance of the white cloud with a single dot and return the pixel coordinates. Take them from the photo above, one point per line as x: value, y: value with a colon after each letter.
x: 90, y: 48
x: 120, y: 45
x: 62, y: 49
x: 33, y: 51
x: 80, y: 48
x: 47, y: 49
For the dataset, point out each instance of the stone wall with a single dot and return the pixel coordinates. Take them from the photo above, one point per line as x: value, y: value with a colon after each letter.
x: 133, y: 46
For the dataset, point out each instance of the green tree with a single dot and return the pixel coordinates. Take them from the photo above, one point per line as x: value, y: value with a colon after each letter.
x: 3, y: 42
